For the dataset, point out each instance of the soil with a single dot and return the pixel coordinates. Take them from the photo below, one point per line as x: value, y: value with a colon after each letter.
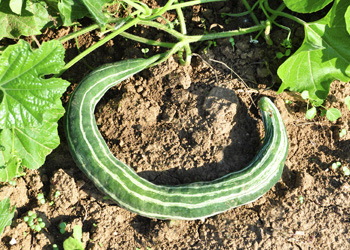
x: 179, y: 124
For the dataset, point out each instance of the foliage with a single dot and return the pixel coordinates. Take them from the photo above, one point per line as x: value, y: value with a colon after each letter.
x: 22, y: 18
x: 74, y: 243
x: 345, y: 169
x: 6, y: 214
x: 71, y: 10
x: 309, y: 6
x: 332, y: 114
x: 342, y: 132
x: 41, y: 198
x: 34, y: 222
x: 30, y: 105
x: 323, y: 57
x: 347, y: 101
x: 28, y: 17
x: 62, y: 226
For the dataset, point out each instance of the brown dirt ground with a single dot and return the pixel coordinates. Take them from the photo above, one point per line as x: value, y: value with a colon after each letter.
x: 176, y: 124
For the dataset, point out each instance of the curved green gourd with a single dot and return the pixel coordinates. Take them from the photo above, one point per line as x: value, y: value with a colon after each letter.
x: 186, y: 202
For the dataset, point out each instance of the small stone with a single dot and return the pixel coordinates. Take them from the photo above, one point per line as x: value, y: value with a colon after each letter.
x: 139, y: 89
x: 13, y: 241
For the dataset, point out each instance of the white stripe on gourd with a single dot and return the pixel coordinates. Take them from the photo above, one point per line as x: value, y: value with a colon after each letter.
x: 191, y: 201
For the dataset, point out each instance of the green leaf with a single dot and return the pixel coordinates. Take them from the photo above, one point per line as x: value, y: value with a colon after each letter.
x: 77, y: 232
x: 323, y: 57
x: 333, y: 114
x: 305, y: 95
x: 342, y: 132
x: 346, y: 171
x: 336, y: 165
x: 30, y: 106
x: 27, y: 95
x: 33, y: 18
x: 71, y: 10
x: 95, y: 8
x: 347, y: 19
x: 6, y: 214
x: 16, y: 6
x: 347, y: 101
x: 11, y: 166
x: 310, y: 113
x: 306, y: 6
x: 74, y: 243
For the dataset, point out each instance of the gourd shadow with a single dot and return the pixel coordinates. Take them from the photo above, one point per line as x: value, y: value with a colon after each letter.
x: 244, y: 141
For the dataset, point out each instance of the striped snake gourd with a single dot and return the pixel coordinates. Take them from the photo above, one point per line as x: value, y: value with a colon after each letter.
x: 185, y: 202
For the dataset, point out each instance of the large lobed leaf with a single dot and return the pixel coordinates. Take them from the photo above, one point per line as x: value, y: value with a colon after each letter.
x: 30, y: 105
x: 71, y: 10
x: 6, y: 214
x: 28, y: 17
x: 323, y: 57
x: 17, y: 20
x: 306, y: 6
x: 347, y: 19
x: 95, y: 8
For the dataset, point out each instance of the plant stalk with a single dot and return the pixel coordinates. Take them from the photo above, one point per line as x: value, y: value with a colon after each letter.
x: 98, y: 44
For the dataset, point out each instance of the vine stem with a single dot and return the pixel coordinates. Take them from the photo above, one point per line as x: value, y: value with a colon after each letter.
x: 146, y: 17
x: 78, y: 33
x: 181, y: 19
x: 98, y: 44
x: 212, y: 36
x: 191, y: 3
x: 278, y: 12
x: 146, y: 40
x: 242, y: 13
x: 255, y: 19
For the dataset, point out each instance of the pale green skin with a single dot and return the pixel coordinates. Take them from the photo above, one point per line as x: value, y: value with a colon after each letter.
x: 185, y: 202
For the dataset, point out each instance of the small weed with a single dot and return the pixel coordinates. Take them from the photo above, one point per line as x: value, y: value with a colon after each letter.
x: 62, y: 226
x: 253, y: 41
x: 34, y: 222
x: 347, y: 101
x: 342, y: 132
x: 13, y: 183
x: 287, y: 43
x: 75, y: 243
x: 145, y: 51
x: 336, y: 165
x: 41, y: 198
x: 57, y: 194
x: 210, y: 44
x: 332, y: 114
x: 301, y: 199
x: 232, y: 41
x: 279, y: 54
x: 346, y: 171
